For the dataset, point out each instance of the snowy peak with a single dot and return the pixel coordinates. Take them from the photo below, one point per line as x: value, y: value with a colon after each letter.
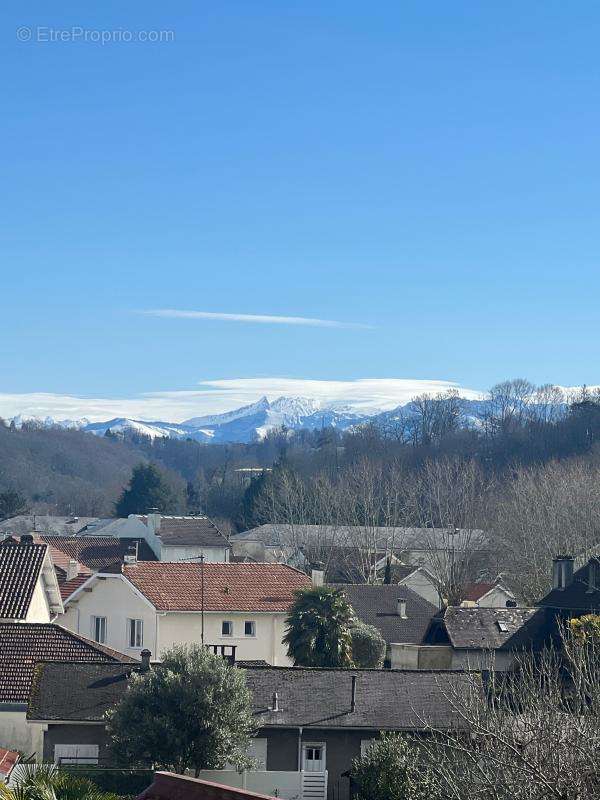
x: 260, y: 406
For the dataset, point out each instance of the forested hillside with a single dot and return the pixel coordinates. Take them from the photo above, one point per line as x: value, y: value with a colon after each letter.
x: 526, y: 473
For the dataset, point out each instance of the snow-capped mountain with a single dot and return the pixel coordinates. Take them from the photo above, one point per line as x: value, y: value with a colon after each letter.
x: 253, y: 422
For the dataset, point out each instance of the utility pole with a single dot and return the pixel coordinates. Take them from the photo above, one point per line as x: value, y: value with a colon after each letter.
x: 202, y: 599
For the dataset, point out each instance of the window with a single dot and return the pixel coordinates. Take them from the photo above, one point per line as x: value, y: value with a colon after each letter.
x: 502, y: 626
x: 314, y: 757
x: 249, y: 628
x: 99, y: 629
x: 135, y: 633
x: 226, y: 628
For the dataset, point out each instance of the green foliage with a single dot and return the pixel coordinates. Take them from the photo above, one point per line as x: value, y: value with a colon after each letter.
x: 368, y: 646
x: 586, y: 629
x: 123, y: 782
x: 319, y: 628
x: 11, y: 504
x: 192, y: 711
x: 390, y: 770
x: 47, y: 782
x: 147, y: 489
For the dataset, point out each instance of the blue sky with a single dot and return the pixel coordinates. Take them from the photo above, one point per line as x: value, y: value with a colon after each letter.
x: 426, y: 175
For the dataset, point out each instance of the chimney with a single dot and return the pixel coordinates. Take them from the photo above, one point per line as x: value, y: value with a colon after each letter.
x: 353, y: 696
x: 131, y: 555
x: 72, y: 569
x: 401, y: 608
x: 562, y: 571
x: 275, y: 706
x: 26, y: 538
x: 154, y: 520
x: 145, y: 665
x: 317, y: 574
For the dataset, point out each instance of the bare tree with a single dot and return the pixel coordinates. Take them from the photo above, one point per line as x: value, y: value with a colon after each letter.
x: 533, y: 734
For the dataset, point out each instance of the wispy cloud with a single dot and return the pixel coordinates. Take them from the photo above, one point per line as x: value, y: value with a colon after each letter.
x: 257, y: 319
x: 366, y: 395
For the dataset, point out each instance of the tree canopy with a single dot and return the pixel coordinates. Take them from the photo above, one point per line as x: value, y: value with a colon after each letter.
x: 147, y: 489
x: 390, y: 770
x: 319, y: 628
x: 191, y: 711
x: 368, y: 646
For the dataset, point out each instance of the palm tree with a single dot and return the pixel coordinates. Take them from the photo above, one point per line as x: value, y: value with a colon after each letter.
x: 318, y: 628
x: 47, y: 782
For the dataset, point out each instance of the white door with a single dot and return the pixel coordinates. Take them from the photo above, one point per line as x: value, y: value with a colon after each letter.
x: 313, y: 759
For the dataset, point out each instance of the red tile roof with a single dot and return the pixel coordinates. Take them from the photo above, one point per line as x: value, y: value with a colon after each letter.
x: 227, y: 587
x: 20, y: 566
x: 8, y: 759
x: 98, y: 553
x: 68, y: 587
x: 475, y: 591
x: 22, y: 644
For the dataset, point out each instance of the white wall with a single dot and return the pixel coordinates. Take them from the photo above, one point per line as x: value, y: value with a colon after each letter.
x: 113, y: 598
x: 496, y: 598
x: 420, y: 583
x: 16, y: 734
x: 213, y: 554
x: 178, y: 628
x: 287, y: 785
x: 39, y: 610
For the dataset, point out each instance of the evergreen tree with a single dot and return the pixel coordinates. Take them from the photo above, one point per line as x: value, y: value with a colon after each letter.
x: 319, y: 628
x: 190, y: 712
x: 11, y: 504
x: 147, y: 489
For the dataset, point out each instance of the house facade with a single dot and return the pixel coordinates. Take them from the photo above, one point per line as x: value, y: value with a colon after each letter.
x: 311, y: 723
x: 29, y: 590
x: 22, y: 644
x: 156, y: 605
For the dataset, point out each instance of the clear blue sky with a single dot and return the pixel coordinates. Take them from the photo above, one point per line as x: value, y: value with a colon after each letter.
x: 431, y: 170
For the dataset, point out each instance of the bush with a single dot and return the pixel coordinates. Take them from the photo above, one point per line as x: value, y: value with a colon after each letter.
x: 368, y: 646
x: 390, y: 770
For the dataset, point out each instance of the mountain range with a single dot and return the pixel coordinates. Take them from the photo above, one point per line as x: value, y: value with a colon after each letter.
x: 252, y: 422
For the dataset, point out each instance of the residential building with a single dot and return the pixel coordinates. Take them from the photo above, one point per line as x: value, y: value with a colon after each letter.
x: 574, y: 592
x: 362, y: 550
x: 398, y: 613
x: 156, y: 605
x: 311, y: 722
x: 22, y: 644
x: 475, y: 638
x: 488, y: 595
x: 169, y: 538
x: 29, y: 589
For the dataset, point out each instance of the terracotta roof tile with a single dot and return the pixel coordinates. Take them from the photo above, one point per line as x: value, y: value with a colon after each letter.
x: 227, y: 587
x: 98, y: 553
x: 20, y: 566
x: 8, y: 759
x: 475, y: 591
x: 22, y: 644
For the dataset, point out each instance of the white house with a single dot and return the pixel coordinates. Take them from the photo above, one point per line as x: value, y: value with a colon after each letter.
x: 488, y: 595
x: 29, y: 590
x: 156, y: 605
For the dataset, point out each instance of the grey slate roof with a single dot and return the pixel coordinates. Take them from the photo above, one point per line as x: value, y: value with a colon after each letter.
x: 20, y: 566
x: 494, y: 628
x: 46, y: 523
x: 22, y: 644
x: 580, y: 596
x: 385, y: 699
x: 199, y: 531
x: 78, y: 692
x: 377, y: 605
x: 378, y: 537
